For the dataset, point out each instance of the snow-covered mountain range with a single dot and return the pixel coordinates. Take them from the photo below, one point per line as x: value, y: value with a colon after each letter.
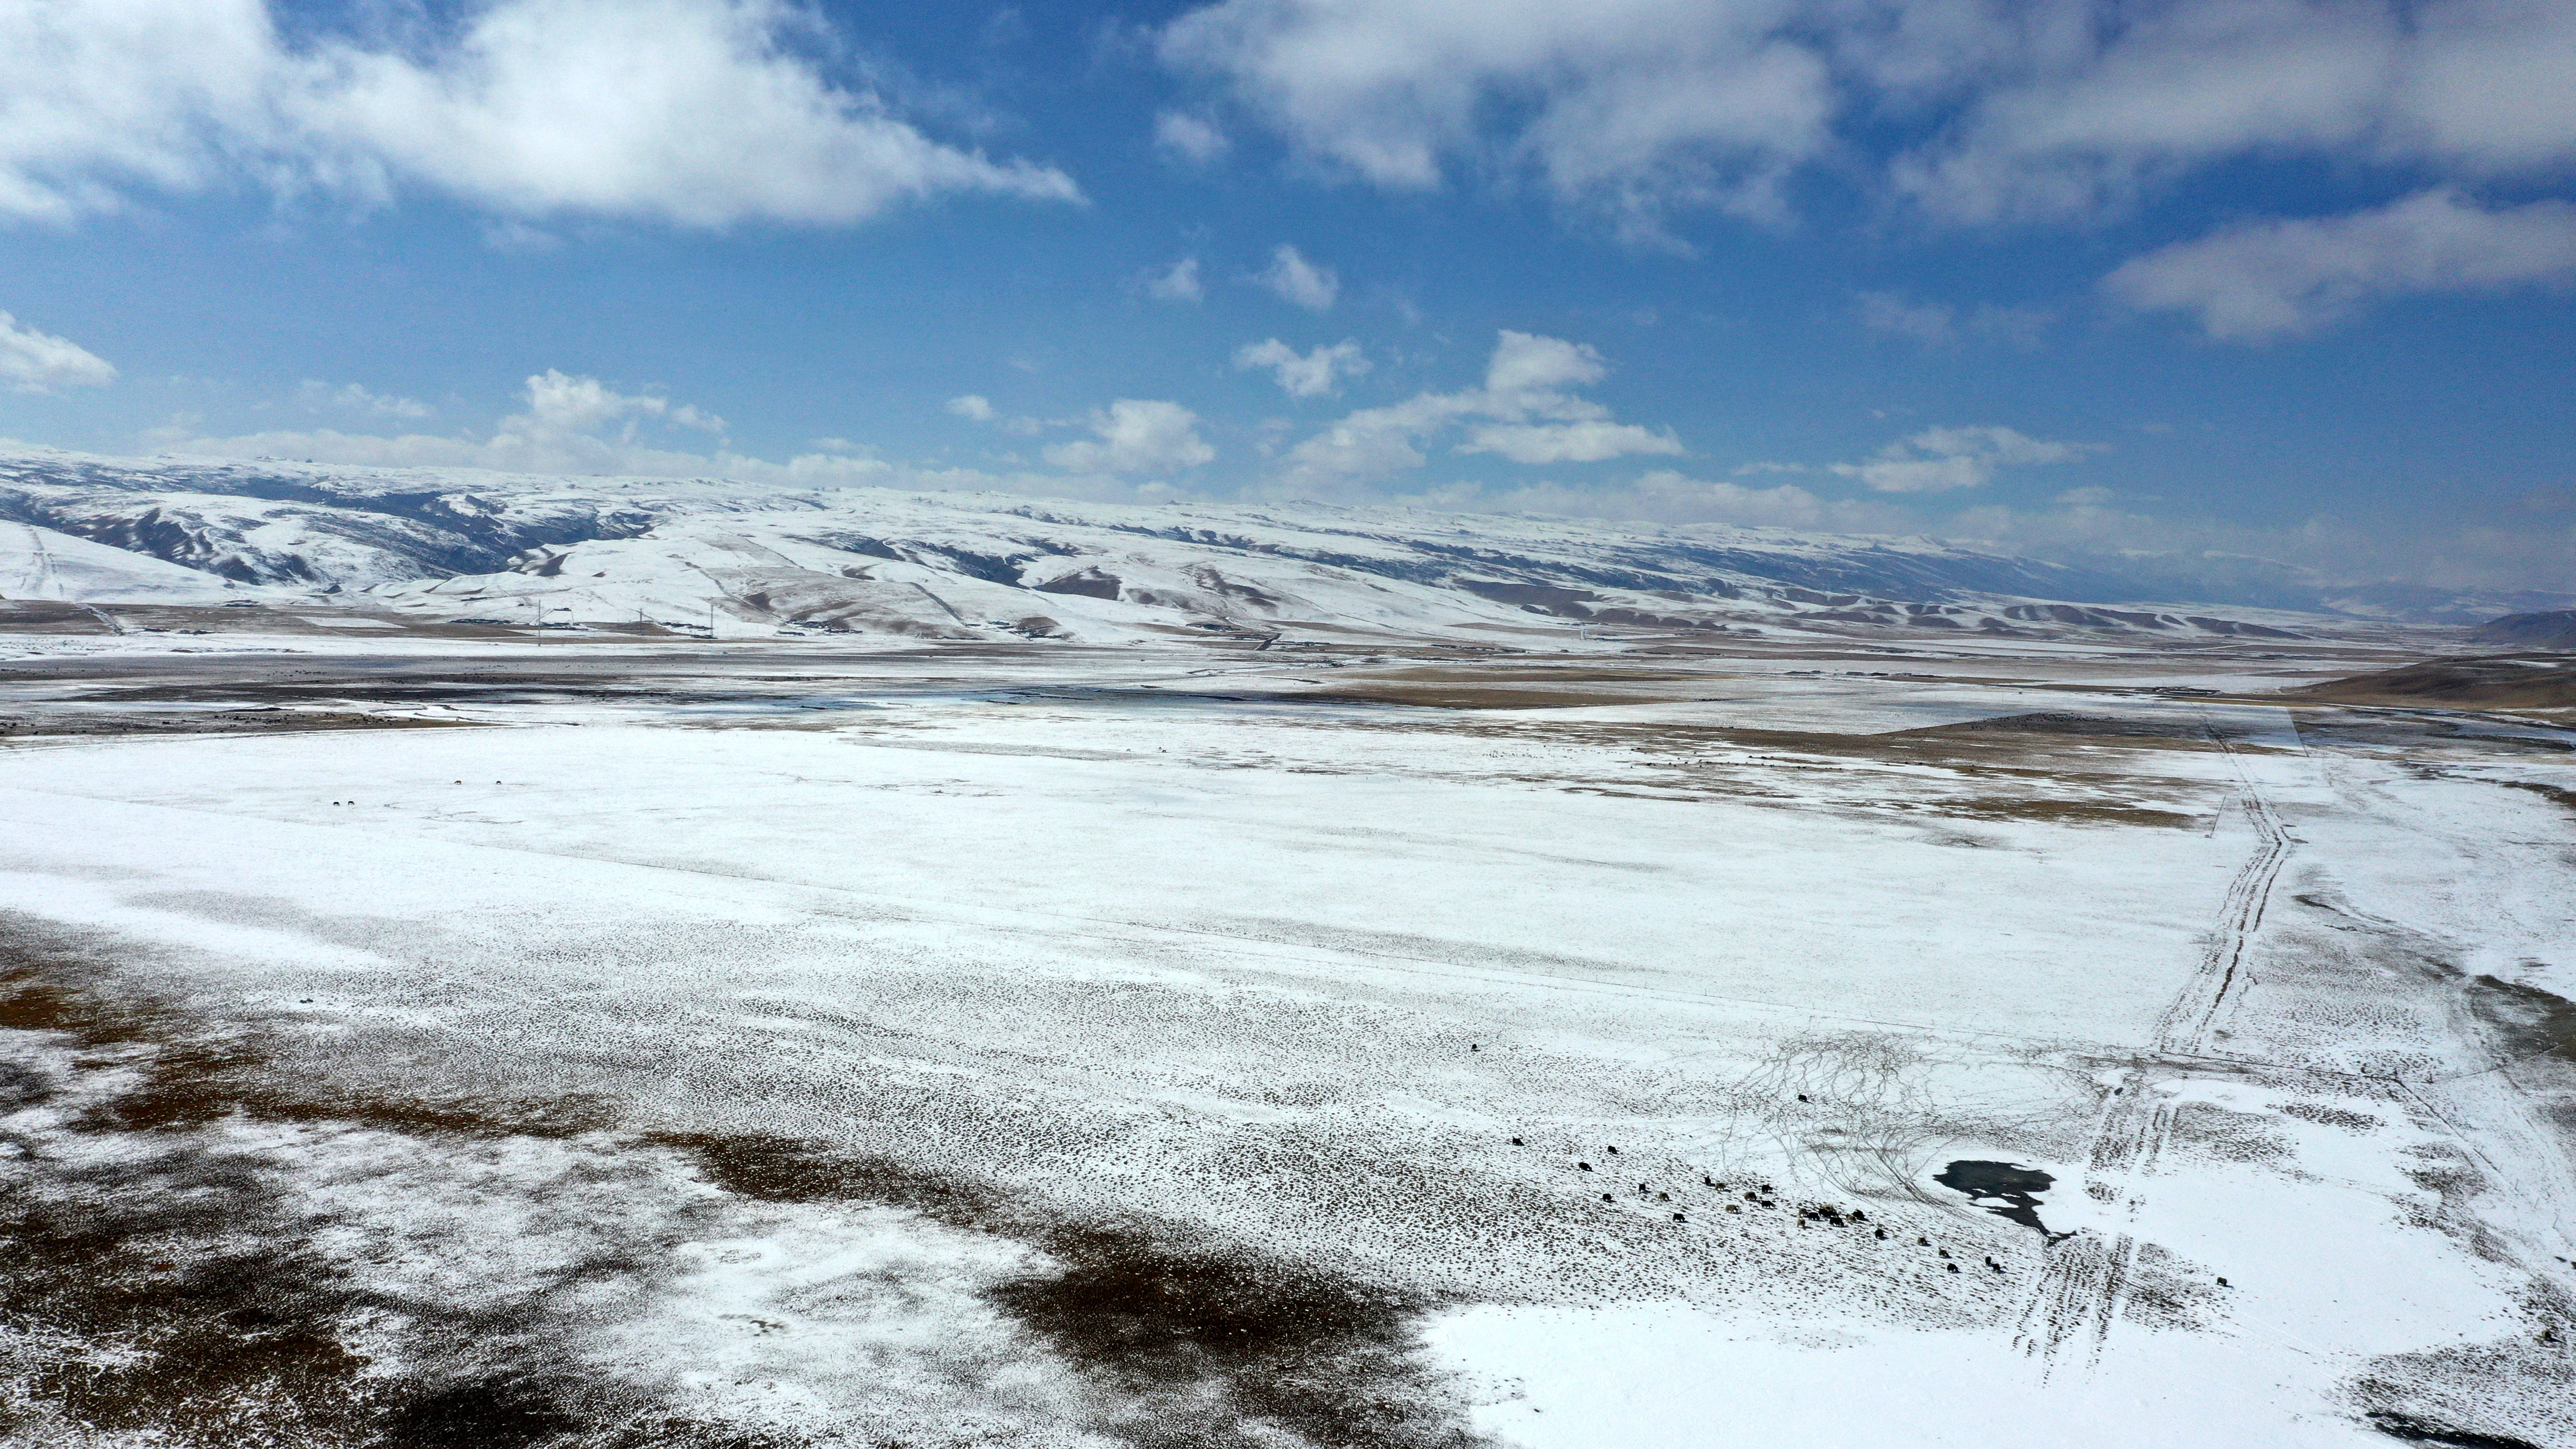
x: 725, y: 557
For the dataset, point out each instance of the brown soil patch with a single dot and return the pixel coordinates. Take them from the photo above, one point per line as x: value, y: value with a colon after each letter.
x: 1430, y: 696
x: 167, y: 1295
x: 2507, y: 681
x: 75, y: 724
x: 1164, y: 1320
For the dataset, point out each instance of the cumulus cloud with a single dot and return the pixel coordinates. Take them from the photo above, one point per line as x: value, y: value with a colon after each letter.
x: 1317, y: 372
x: 1584, y: 442
x: 563, y: 404
x: 2280, y: 278
x: 1136, y: 436
x: 350, y: 397
x: 2085, y: 105
x: 977, y: 408
x: 2046, y: 109
x: 699, y: 113
x: 1178, y: 282
x: 33, y: 361
x: 1524, y: 413
x: 1936, y: 460
x: 1524, y: 363
x: 570, y: 424
x: 1628, y: 103
x: 1298, y: 280
x: 1192, y: 139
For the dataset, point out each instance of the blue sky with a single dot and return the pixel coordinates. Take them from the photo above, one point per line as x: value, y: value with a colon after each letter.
x: 2279, y: 279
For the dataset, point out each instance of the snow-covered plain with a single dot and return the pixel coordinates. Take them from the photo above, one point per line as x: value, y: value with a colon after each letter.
x: 422, y: 1033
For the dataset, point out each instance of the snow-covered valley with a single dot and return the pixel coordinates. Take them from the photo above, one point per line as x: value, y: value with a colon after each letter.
x: 1297, y: 998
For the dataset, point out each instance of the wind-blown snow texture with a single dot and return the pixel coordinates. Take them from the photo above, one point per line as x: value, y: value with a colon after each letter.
x: 721, y: 557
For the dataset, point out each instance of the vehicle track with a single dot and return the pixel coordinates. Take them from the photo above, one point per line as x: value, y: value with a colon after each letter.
x: 2086, y: 1276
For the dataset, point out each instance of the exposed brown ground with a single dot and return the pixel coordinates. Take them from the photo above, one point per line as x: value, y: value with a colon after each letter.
x: 2508, y: 681
x: 165, y: 1293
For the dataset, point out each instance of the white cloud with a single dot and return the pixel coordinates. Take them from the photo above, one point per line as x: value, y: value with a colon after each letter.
x: 699, y: 113
x: 1939, y: 459
x: 1524, y: 363
x: 1298, y: 280
x: 2050, y: 109
x: 350, y: 397
x: 1178, y: 282
x: 1316, y: 373
x: 1530, y: 418
x: 571, y: 424
x: 2279, y: 278
x: 1193, y: 139
x: 1668, y: 496
x: 1938, y: 324
x: 33, y: 361
x: 562, y: 404
x: 1583, y: 442
x: 976, y: 408
x: 1930, y: 323
x: 2083, y: 105
x: 1632, y: 104
x: 1136, y: 436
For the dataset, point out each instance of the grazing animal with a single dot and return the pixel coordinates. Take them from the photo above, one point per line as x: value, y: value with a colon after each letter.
x: 1614, y: 1151
x: 1677, y: 1217
x: 2222, y: 1282
x: 1516, y: 1142
x: 1710, y: 1181
x: 1802, y: 1096
x: 1605, y: 1197
x: 1953, y: 1267
x: 1586, y: 1166
x: 1882, y: 1235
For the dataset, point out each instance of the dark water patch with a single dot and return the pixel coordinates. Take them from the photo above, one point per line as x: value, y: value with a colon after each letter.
x: 2005, y: 1189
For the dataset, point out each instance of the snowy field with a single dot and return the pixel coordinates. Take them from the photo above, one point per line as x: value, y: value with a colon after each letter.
x: 415, y: 1040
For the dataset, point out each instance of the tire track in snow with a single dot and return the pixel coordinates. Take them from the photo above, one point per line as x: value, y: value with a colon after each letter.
x: 2085, y: 1279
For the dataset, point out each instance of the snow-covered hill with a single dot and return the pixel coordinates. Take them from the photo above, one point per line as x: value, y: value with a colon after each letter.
x: 701, y: 556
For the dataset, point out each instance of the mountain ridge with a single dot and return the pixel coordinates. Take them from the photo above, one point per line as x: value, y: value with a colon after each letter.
x: 684, y: 554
